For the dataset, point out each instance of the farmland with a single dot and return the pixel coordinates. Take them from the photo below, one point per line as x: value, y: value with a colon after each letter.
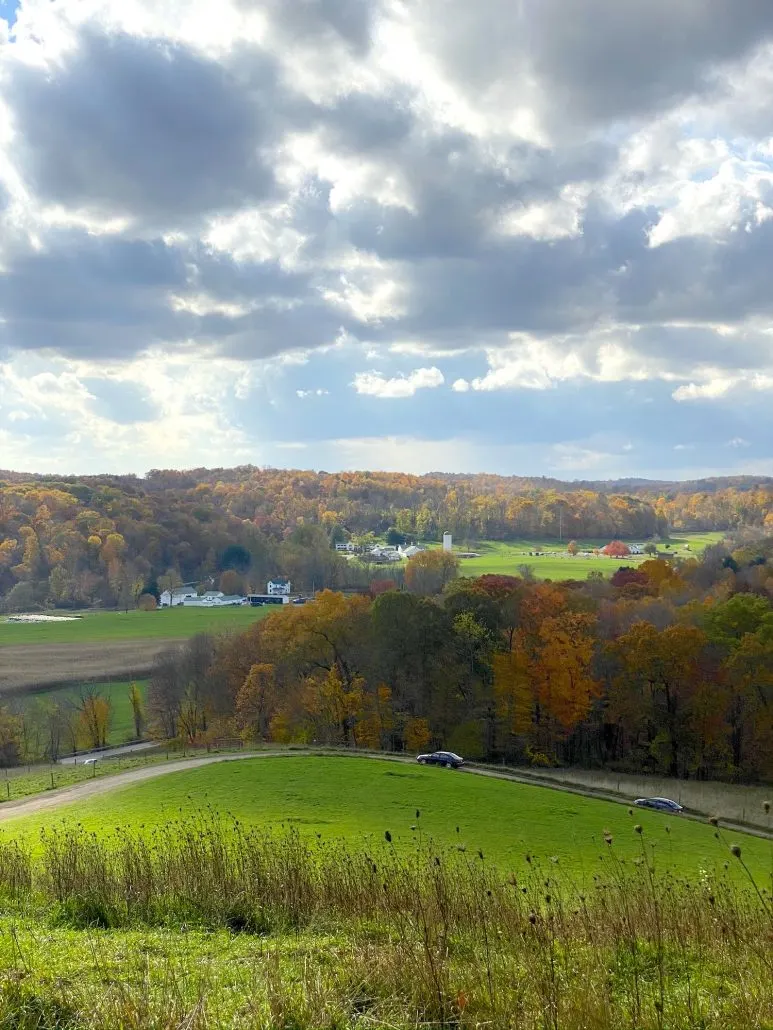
x: 104, y: 646
x: 98, y: 626
x: 554, y: 563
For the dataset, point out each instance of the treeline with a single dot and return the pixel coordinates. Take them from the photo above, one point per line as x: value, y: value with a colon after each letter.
x: 36, y: 728
x: 103, y: 540
x: 666, y: 669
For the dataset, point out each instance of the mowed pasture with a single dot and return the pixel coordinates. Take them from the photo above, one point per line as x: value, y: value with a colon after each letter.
x: 498, y: 558
x: 104, y: 646
x: 98, y: 626
x: 357, y: 800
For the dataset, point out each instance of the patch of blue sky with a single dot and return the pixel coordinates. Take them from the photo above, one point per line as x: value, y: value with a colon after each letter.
x: 8, y: 10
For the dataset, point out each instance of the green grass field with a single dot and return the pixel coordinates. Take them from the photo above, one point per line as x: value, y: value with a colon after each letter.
x: 169, y: 623
x: 504, y: 558
x: 358, y: 799
x: 122, y: 717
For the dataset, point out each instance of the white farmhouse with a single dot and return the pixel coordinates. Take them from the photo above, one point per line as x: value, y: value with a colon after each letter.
x: 177, y: 596
x: 278, y: 587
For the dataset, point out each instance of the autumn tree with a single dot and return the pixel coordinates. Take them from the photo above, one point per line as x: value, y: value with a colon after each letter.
x: 95, y: 715
x: 136, y: 701
x: 626, y: 576
x: 10, y: 738
x: 616, y: 549
x: 256, y: 702
x: 325, y: 643
x: 659, y: 672
x: 429, y: 572
x: 231, y: 582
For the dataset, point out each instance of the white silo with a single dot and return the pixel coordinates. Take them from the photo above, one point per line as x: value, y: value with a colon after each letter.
x: 447, y: 542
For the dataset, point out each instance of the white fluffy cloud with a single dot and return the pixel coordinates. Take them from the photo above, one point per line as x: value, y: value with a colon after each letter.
x: 373, y: 384
x: 204, y: 222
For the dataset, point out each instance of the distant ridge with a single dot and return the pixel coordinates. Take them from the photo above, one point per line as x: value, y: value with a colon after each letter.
x: 191, y: 477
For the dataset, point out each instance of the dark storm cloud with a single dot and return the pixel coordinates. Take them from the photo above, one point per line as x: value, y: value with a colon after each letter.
x: 140, y: 128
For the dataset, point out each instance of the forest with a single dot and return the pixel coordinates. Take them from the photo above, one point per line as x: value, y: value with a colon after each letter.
x: 666, y: 668
x: 79, y: 542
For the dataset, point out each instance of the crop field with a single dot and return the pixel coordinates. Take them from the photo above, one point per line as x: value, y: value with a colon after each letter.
x: 165, y: 624
x: 104, y: 645
x: 554, y: 563
x: 358, y: 800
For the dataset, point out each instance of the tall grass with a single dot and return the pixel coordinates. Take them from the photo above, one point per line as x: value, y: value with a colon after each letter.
x: 382, y: 936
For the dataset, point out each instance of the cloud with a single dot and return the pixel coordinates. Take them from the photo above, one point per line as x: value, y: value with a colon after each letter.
x: 703, y: 391
x: 203, y: 222
x: 140, y: 128
x: 373, y: 384
x: 592, y: 63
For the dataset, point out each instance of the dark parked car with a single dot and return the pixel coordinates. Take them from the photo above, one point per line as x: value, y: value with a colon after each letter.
x: 445, y: 758
x: 661, y: 804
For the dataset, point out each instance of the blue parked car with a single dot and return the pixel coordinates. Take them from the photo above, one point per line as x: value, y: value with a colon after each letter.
x: 661, y: 804
x: 445, y: 758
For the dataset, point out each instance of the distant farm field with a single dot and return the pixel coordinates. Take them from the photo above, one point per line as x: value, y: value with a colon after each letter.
x: 103, y: 646
x: 167, y: 624
x: 359, y: 800
x: 499, y: 558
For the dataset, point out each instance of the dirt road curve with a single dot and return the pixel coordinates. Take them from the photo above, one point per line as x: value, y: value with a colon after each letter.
x: 66, y: 795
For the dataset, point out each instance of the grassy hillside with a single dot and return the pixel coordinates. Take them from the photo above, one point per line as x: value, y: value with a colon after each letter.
x: 217, y: 923
x: 359, y: 799
x: 169, y: 623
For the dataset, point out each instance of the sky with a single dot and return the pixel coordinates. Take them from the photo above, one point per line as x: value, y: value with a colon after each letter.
x: 529, y: 237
